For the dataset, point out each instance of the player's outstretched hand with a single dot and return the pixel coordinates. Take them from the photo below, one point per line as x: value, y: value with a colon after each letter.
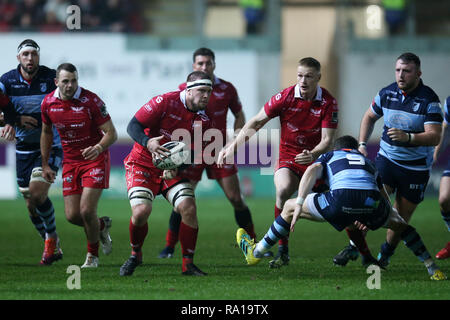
x: 8, y: 133
x: 304, y: 157
x: 48, y: 174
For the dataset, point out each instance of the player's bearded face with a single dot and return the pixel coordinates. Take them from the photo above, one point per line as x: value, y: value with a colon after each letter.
x: 67, y: 82
x: 199, y: 98
x: 307, y: 79
x: 407, y: 75
x: 29, y: 61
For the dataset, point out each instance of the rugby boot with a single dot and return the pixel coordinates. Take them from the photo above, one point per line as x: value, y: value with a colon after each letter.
x: 281, y: 259
x: 52, y: 252
x: 348, y: 253
x: 91, y: 261
x: 444, y: 253
x: 130, y: 265
x: 438, y: 275
x: 193, y: 270
x: 247, y: 246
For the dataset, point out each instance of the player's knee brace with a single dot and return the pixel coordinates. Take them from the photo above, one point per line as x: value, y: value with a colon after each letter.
x: 179, y: 192
x: 140, y: 195
x: 36, y: 175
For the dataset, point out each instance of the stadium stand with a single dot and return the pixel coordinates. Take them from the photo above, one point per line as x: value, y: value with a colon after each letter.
x: 50, y: 15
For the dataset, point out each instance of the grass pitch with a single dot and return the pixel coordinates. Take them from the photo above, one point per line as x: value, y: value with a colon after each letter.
x: 310, y: 275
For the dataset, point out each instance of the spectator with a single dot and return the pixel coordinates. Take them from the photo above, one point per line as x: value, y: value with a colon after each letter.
x: 395, y: 15
x: 8, y: 15
x: 58, y: 8
x: 254, y: 15
x: 113, y: 16
x: 51, y: 15
x: 52, y: 23
x: 31, y: 14
x: 90, y: 20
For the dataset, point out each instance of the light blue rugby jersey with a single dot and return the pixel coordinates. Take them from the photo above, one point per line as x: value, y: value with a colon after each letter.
x: 408, y: 113
x: 27, y: 99
x: 446, y: 113
x: 348, y: 169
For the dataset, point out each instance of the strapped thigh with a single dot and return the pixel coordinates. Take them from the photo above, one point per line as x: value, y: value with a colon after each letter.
x: 140, y: 195
x: 178, y: 192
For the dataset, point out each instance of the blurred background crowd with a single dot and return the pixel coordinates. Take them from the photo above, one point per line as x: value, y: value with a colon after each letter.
x: 51, y: 15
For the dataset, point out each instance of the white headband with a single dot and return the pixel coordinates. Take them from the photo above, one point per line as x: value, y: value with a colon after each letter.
x: 199, y: 83
x: 27, y: 46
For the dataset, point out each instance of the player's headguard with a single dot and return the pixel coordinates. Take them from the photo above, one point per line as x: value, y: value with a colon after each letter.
x: 199, y: 83
x: 198, y: 79
x: 28, y: 44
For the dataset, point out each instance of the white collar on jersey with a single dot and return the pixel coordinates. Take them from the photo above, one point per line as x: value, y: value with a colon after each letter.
x: 297, y: 93
x: 75, y: 96
x: 183, y: 97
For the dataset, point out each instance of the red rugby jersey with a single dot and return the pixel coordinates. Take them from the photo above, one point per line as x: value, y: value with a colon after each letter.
x: 224, y: 96
x: 163, y: 115
x: 301, y: 121
x: 77, y: 121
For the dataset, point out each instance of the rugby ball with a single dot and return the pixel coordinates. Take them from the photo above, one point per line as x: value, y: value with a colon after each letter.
x: 178, y: 155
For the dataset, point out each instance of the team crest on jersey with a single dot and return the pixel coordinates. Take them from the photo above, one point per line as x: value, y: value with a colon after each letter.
x: 315, y: 112
x: 77, y: 109
x: 301, y: 139
x: 84, y: 99
x: 43, y: 86
x: 416, y: 106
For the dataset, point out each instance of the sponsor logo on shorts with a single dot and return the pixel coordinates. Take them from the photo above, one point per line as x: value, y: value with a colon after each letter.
x: 98, y: 179
x: 96, y: 171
